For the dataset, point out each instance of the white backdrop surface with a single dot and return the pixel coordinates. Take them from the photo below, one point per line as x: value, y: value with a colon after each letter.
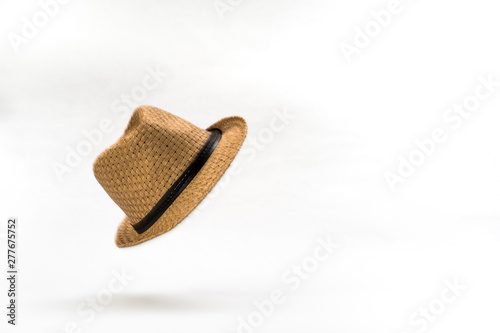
x: 326, y: 128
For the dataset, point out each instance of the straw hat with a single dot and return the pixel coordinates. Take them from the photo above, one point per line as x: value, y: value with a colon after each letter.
x: 162, y: 168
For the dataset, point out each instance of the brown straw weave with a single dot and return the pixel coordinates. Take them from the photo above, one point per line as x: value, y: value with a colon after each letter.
x: 155, y: 150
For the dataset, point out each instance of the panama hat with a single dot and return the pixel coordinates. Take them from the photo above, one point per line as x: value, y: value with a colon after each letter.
x: 162, y: 167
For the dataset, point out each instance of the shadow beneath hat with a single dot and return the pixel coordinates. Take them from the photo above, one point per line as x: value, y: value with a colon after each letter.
x: 151, y: 302
x: 196, y: 302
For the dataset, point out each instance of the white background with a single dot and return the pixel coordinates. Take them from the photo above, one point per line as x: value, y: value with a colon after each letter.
x: 321, y: 175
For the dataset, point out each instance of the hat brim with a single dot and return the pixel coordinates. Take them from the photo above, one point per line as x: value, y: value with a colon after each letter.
x: 234, y: 130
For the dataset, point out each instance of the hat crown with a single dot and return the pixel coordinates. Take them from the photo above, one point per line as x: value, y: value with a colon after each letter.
x: 156, y: 148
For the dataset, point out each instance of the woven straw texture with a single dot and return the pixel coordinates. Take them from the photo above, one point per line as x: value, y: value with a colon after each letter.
x: 156, y: 148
